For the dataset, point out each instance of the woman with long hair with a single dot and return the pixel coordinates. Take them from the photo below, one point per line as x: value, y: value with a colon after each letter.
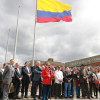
x: 96, y: 77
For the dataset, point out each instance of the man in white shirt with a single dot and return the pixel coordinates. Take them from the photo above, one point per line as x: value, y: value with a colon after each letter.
x: 58, y: 82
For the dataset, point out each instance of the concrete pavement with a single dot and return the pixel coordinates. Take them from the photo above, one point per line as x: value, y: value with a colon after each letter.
x: 53, y: 98
x: 58, y: 99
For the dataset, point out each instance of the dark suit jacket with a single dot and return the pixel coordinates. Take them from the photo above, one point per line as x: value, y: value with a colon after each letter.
x: 17, y: 75
x: 32, y: 71
x: 81, y: 75
x: 37, y: 74
x: 67, y: 76
x: 25, y: 74
x: 0, y: 74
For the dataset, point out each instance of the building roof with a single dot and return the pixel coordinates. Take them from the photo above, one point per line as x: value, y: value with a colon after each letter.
x: 52, y: 62
x: 86, y: 61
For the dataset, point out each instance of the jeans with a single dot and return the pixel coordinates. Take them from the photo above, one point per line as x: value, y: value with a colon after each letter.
x: 67, y: 88
x: 46, y: 90
x: 91, y: 87
x: 78, y: 91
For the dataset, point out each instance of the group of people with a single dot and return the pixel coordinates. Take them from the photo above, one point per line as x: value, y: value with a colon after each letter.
x: 60, y: 83
x: 14, y: 78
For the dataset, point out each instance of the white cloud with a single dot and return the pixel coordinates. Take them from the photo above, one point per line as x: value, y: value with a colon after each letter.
x: 61, y: 41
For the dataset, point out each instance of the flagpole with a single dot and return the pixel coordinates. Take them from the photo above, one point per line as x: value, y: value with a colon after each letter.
x: 33, y: 56
x: 7, y: 47
x: 15, y: 46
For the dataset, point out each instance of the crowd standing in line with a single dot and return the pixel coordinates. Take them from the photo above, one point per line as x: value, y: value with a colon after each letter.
x: 59, y: 83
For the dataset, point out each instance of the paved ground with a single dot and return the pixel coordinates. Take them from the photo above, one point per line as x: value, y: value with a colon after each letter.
x: 58, y: 99
x: 54, y: 99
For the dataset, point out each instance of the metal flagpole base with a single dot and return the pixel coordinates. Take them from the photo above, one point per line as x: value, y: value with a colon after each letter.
x: 74, y: 89
x: 98, y: 94
x: 75, y: 99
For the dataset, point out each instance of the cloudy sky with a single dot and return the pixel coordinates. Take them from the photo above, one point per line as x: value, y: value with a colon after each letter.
x: 62, y: 41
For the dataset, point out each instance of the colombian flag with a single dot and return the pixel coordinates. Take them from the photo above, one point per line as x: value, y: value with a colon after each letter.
x: 53, y: 11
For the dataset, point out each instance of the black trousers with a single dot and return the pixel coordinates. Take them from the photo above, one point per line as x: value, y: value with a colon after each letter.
x: 25, y: 85
x: 62, y: 89
x: 85, y: 89
x: 35, y: 86
x: 1, y: 92
x: 32, y: 90
x: 17, y: 88
x: 91, y: 87
x: 52, y: 88
x: 97, y: 88
x: 57, y: 90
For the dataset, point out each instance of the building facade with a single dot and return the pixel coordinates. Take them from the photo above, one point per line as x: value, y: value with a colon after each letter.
x: 90, y: 61
x: 93, y: 61
x: 52, y: 62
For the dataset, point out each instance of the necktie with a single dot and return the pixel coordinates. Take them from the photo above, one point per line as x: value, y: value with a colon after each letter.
x: 27, y: 69
x: 18, y: 70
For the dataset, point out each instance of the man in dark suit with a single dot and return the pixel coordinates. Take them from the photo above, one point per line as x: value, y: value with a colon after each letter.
x: 83, y: 76
x: 26, y: 73
x: 7, y: 79
x: 37, y: 80
x: 17, y: 79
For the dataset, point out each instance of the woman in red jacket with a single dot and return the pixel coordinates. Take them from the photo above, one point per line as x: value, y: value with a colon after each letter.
x: 47, y: 76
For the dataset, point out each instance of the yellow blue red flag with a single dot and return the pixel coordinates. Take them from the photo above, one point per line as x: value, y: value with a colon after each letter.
x: 53, y: 11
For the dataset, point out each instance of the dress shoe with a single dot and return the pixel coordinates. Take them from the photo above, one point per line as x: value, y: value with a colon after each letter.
x: 92, y: 97
x: 89, y: 98
x: 78, y: 96
x: 66, y: 97
x: 60, y: 97
x: 14, y: 97
x: 83, y: 97
x: 34, y: 99
x: 22, y: 97
x: 18, y: 98
x: 26, y: 96
x: 69, y: 97
x: 55, y: 97
x: 39, y: 97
